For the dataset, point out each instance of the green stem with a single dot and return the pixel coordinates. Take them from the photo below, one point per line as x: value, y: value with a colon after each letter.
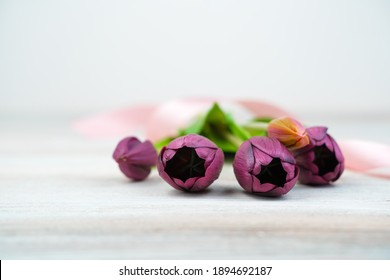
x: 256, y: 128
x: 256, y: 125
x: 233, y: 139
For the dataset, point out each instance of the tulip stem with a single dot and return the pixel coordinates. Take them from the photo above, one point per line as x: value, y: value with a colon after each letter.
x: 233, y: 139
x: 257, y: 125
x: 256, y: 128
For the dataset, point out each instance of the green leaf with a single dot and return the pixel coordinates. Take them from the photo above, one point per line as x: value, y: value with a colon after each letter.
x: 220, y: 128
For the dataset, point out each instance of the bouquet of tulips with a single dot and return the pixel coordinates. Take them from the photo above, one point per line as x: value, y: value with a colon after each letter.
x: 269, y: 155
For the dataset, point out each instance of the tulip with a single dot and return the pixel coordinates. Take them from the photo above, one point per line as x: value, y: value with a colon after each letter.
x: 262, y: 165
x: 289, y: 132
x: 321, y: 162
x: 135, y: 158
x: 190, y: 163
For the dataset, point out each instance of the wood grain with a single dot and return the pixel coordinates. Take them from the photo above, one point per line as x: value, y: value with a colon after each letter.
x: 62, y: 197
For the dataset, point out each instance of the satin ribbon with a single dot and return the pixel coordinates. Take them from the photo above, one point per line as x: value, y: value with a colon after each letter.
x: 159, y: 121
x: 366, y: 157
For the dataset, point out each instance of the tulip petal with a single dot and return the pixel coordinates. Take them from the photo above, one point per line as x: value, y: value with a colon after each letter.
x: 259, y: 167
x: 207, y: 154
x: 318, y: 133
x: 142, y: 154
x: 334, y: 175
x: 308, y: 178
x: 123, y: 147
x: 262, y: 188
x: 202, y: 164
x: 321, y: 162
x: 289, y: 132
x: 135, y: 158
x: 191, y: 141
x: 243, y: 166
x: 261, y: 159
x: 290, y: 169
x: 135, y: 172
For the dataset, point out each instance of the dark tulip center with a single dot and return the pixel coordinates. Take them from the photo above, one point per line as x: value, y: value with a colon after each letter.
x: 273, y: 173
x: 185, y: 164
x: 325, y: 159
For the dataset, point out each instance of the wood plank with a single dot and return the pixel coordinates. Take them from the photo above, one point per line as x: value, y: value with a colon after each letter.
x: 62, y: 197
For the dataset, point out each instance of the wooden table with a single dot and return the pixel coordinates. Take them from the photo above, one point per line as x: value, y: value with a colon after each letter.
x: 63, y: 197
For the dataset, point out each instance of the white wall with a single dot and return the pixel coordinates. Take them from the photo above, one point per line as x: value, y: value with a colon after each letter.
x: 86, y: 56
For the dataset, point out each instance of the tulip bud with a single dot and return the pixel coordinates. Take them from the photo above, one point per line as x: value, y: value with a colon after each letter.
x: 135, y: 159
x: 190, y: 163
x: 289, y: 132
x: 321, y: 162
x: 262, y: 165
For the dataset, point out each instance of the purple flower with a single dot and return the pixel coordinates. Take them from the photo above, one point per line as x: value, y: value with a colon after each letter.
x: 262, y: 165
x: 321, y: 162
x: 190, y: 163
x: 135, y: 159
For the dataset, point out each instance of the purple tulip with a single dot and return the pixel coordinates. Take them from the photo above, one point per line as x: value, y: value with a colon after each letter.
x: 321, y: 162
x: 190, y: 163
x: 262, y: 165
x: 135, y: 159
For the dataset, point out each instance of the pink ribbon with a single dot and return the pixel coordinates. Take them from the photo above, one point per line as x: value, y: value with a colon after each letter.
x: 366, y: 157
x: 159, y: 121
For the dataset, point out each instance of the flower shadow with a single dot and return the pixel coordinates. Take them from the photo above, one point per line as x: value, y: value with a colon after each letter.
x: 224, y: 191
x: 205, y: 192
x: 330, y: 185
x: 265, y: 198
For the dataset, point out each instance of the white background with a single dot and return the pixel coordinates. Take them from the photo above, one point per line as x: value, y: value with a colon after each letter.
x: 81, y: 57
x: 303, y: 270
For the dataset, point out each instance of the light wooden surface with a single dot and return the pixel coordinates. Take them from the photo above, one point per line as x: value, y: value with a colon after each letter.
x: 62, y: 197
